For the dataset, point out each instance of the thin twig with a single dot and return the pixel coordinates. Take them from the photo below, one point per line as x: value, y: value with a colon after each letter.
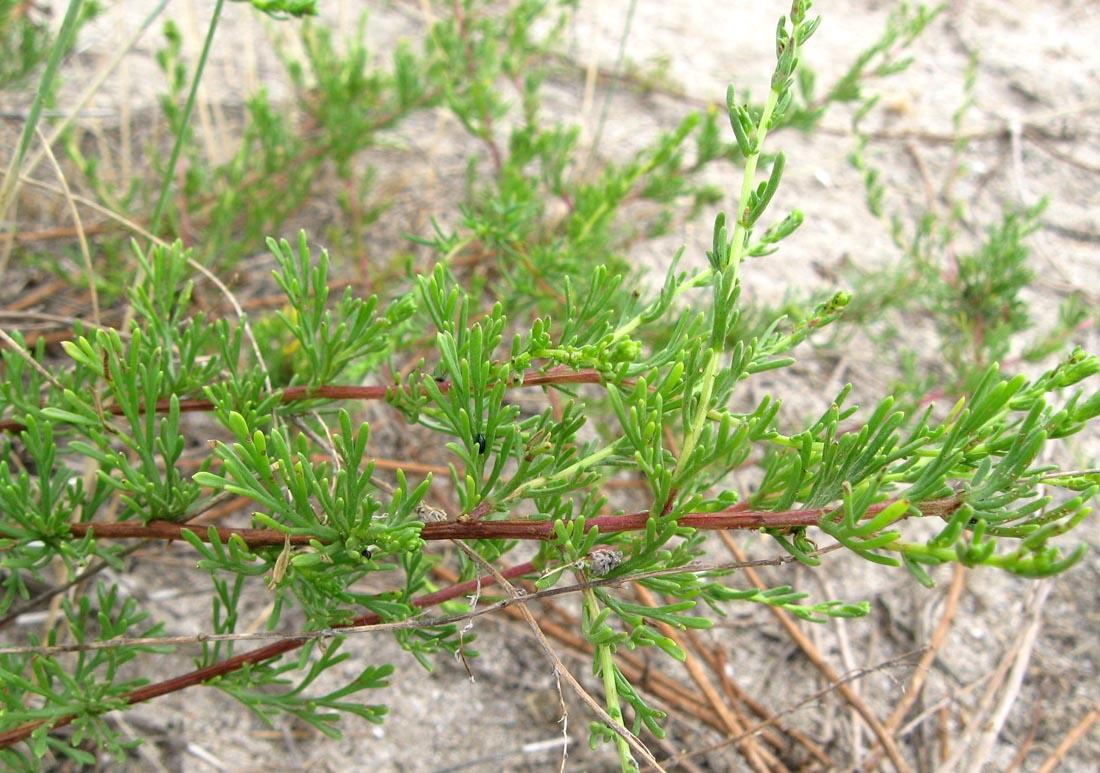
x: 556, y: 375
x: 370, y: 627
x: 100, y: 564
x: 36, y: 316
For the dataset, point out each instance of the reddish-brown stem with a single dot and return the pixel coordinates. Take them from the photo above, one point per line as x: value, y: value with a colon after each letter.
x: 732, y: 518
x: 150, y: 691
x: 557, y: 375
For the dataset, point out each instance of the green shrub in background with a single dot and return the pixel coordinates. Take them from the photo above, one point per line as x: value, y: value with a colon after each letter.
x: 531, y: 288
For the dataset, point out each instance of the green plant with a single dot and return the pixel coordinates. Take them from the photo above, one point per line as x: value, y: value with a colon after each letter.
x: 972, y: 289
x: 635, y: 380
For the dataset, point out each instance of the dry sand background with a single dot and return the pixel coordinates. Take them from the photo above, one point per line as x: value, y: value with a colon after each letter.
x: 1035, y: 133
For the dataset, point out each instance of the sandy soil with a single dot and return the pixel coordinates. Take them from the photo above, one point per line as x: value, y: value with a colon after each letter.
x: 1033, y: 128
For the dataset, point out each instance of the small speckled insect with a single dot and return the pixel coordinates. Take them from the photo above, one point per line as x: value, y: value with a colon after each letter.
x: 429, y: 514
x: 602, y: 561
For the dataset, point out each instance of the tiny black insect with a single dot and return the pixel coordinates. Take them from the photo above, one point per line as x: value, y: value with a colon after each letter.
x: 482, y: 443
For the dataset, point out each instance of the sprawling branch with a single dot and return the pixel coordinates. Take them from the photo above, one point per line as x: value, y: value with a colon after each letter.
x: 271, y: 651
x: 732, y: 518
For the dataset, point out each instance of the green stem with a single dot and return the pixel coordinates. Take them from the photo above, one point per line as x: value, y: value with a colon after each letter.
x: 737, y: 252
x: 748, y: 183
x: 699, y: 280
x: 566, y: 473
x: 702, y: 410
x: 606, y: 661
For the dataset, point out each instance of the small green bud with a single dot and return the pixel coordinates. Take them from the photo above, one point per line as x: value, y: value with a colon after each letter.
x: 837, y: 302
x: 626, y: 350
x: 741, y: 122
x: 782, y: 38
x: 805, y: 31
x: 781, y: 106
x: 784, y: 228
x: 798, y: 11
x: 1076, y: 368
